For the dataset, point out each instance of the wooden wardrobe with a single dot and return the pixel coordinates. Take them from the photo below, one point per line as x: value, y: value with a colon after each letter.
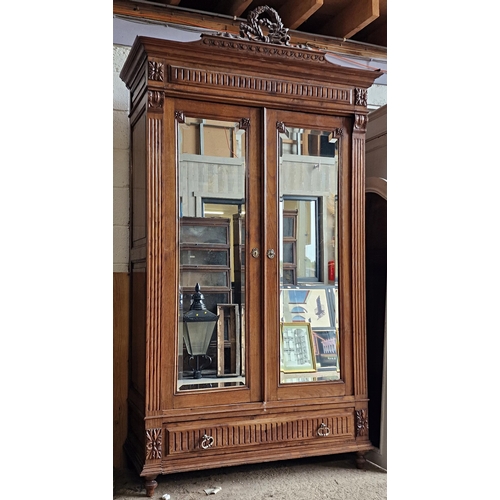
x: 247, y: 197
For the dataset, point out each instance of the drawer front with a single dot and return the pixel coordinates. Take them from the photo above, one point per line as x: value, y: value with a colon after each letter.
x: 205, y: 436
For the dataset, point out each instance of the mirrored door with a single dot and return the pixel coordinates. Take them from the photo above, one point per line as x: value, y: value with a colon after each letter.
x: 308, y: 192
x: 213, y: 169
x: 308, y: 334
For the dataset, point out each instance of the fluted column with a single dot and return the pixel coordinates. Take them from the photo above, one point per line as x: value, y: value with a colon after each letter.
x: 358, y: 254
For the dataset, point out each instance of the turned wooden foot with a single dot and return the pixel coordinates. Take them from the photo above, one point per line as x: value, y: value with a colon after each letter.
x: 360, y: 459
x: 150, y: 484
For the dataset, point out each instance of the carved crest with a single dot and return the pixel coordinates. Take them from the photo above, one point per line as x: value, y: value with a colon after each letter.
x: 252, y: 30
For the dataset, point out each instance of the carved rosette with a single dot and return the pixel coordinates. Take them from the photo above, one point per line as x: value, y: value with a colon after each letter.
x: 155, y: 71
x: 153, y: 444
x: 360, y: 122
x: 244, y: 123
x: 361, y: 422
x: 155, y: 99
x: 361, y: 97
x: 180, y: 116
x: 252, y: 30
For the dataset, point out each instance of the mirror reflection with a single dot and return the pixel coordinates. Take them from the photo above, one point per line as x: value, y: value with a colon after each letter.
x: 308, y: 180
x: 211, y: 187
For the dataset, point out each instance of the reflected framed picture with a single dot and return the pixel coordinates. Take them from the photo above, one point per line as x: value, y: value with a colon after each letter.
x: 326, y: 348
x: 314, y: 304
x: 296, y: 348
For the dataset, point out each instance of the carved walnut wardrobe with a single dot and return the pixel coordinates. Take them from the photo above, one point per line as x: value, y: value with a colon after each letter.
x: 247, y: 259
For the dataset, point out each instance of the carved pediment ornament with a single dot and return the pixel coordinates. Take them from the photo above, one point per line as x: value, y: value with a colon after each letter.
x: 252, y: 30
x: 277, y: 35
x: 361, y: 422
x: 153, y: 444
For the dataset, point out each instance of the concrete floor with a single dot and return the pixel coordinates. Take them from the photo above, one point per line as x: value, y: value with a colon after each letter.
x: 334, y: 478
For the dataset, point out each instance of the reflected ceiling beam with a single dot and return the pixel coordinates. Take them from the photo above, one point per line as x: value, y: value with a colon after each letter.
x: 295, y: 12
x: 357, y: 15
x: 237, y: 7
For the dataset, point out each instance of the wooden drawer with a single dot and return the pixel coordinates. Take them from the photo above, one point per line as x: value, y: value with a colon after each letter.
x: 189, y: 437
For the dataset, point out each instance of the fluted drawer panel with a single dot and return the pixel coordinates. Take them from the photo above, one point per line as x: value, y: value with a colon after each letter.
x: 183, y: 438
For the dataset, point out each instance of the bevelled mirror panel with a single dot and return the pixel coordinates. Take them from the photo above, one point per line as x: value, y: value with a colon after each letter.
x: 211, y: 186
x: 308, y: 190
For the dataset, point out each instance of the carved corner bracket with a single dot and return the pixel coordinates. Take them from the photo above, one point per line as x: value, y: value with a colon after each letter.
x: 153, y: 444
x: 336, y: 133
x: 244, y: 123
x: 281, y: 127
x: 180, y: 116
x: 362, y: 422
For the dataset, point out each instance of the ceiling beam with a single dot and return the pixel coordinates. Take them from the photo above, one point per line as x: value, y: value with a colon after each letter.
x: 357, y: 15
x: 296, y: 12
x: 237, y: 7
x: 138, y: 10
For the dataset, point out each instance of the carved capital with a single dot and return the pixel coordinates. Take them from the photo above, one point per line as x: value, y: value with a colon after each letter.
x: 155, y: 71
x: 361, y: 97
x: 360, y: 122
x: 153, y: 444
x: 361, y: 422
x: 155, y: 99
x: 281, y: 127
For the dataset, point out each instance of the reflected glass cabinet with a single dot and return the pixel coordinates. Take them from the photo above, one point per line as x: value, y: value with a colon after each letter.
x: 248, y: 338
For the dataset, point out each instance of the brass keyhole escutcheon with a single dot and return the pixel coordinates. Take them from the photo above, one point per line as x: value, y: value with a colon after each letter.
x: 271, y: 253
x: 207, y: 442
x: 255, y: 253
